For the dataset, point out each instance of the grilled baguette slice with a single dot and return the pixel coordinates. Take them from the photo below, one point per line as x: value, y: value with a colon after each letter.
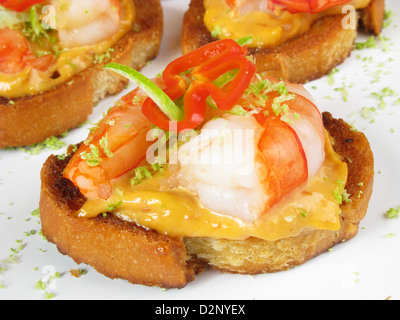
x: 119, y: 249
x: 32, y: 119
x: 305, y: 58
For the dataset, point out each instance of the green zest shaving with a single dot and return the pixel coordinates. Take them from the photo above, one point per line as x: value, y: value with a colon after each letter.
x: 393, y: 213
x: 104, y: 145
x: 216, y: 32
x: 340, y: 194
x: 368, y: 44
x: 166, y: 105
x: 144, y: 173
x: 93, y: 158
x: 244, y: 41
x: 141, y: 174
x: 34, y: 30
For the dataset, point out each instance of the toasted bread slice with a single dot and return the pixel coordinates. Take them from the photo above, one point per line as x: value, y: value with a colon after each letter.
x: 120, y: 249
x: 32, y: 119
x: 305, y: 58
x: 113, y: 247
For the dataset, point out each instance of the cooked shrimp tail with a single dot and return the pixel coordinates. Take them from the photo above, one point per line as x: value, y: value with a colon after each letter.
x: 116, y: 145
x: 81, y: 23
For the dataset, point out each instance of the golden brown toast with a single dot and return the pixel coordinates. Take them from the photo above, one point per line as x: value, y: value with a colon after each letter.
x: 32, y: 119
x: 120, y: 249
x: 305, y: 58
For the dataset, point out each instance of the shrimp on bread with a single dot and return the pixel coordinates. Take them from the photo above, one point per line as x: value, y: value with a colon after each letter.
x: 51, y: 59
x: 86, y: 23
x: 298, y: 41
x: 238, y: 171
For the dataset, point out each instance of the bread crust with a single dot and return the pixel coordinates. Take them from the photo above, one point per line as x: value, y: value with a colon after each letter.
x: 299, y: 60
x: 115, y: 248
x: 121, y: 249
x: 32, y: 119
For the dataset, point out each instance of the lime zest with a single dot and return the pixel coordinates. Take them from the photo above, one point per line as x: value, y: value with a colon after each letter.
x: 160, y: 98
x: 244, y: 41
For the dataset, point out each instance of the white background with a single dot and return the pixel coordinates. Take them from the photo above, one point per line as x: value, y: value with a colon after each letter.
x: 366, y: 267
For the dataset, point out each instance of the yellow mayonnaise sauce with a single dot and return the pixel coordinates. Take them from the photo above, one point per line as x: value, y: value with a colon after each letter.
x: 69, y: 63
x: 174, y: 211
x: 268, y: 29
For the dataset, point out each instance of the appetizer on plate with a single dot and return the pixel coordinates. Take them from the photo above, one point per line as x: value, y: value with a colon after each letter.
x: 51, y: 58
x: 209, y: 164
x: 297, y: 40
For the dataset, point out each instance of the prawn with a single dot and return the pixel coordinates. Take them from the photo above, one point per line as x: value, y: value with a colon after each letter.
x: 287, y: 153
x: 286, y: 149
x: 293, y: 6
x: 81, y: 23
x: 115, y: 145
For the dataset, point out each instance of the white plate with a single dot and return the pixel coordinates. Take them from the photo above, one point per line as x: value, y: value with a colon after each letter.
x: 366, y: 267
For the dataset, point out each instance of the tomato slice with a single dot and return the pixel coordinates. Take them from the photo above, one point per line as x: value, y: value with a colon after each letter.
x: 15, y: 54
x: 19, y: 5
x: 13, y: 47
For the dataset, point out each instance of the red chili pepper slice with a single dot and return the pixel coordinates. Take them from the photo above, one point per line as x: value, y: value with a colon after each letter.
x: 209, y: 63
x: 19, y: 5
x: 310, y: 6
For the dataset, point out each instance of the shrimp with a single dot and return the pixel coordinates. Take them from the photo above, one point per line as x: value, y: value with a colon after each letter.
x: 81, y: 23
x: 115, y: 146
x: 293, y: 6
x: 238, y: 165
x: 288, y: 151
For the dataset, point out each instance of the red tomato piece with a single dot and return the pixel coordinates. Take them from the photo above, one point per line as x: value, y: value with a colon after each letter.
x: 15, y: 54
